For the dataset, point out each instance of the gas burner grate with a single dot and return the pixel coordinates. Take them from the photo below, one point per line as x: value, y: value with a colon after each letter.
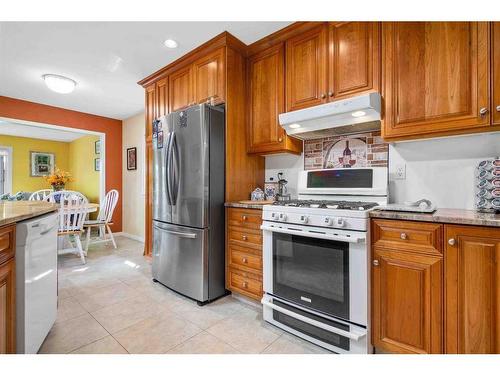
x: 338, y: 205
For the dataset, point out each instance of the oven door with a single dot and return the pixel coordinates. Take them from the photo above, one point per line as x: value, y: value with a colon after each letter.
x: 321, y: 269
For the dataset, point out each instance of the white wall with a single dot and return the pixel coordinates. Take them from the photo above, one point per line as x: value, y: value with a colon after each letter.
x: 290, y: 165
x: 441, y: 169
x: 134, y: 181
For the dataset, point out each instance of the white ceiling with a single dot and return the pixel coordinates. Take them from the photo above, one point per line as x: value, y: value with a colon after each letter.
x: 105, y: 58
x: 37, y: 132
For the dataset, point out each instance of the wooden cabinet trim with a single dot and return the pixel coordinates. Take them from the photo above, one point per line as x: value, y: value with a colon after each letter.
x: 8, y: 307
x: 7, y: 243
x: 495, y: 72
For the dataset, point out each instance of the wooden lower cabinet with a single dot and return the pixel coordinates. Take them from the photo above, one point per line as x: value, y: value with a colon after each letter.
x: 407, y: 302
x: 7, y: 291
x: 244, y: 252
x: 472, y: 263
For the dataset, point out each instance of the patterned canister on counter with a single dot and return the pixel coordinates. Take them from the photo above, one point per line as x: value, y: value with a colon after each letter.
x: 488, y: 185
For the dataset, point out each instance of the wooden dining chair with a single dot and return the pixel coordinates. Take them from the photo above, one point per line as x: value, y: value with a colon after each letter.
x: 40, y: 195
x: 103, y: 221
x: 72, y: 213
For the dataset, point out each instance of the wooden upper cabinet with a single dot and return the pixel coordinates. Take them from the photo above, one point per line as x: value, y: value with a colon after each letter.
x: 209, y: 78
x: 162, y: 97
x: 495, y: 50
x: 266, y: 87
x: 472, y: 290
x: 354, y: 58
x: 180, y: 89
x: 307, y: 69
x: 436, y: 77
x: 150, y: 106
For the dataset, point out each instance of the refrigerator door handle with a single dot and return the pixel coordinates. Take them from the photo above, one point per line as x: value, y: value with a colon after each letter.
x: 167, y: 169
x: 176, y: 171
x: 180, y: 234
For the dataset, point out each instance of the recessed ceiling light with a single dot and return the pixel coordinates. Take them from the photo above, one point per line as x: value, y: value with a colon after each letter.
x: 358, y: 114
x: 60, y: 84
x: 170, y: 43
x: 294, y: 126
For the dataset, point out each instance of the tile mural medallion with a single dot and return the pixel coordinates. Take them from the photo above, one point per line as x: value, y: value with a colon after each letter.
x: 346, y: 151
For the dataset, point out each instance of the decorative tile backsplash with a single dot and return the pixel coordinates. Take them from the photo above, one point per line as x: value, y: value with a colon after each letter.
x: 345, y: 151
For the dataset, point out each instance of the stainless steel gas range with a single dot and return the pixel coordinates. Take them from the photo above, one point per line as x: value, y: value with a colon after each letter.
x: 316, y: 257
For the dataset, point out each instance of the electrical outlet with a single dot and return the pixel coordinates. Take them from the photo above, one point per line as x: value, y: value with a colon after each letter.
x: 400, y: 172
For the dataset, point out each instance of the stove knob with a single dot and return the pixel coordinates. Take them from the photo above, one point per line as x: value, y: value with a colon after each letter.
x: 340, y: 222
x: 328, y: 220
x: 282, y: 217
x: 274, y: 216
x: 304, y: 219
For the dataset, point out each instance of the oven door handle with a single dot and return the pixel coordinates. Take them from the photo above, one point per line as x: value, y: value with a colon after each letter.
x: 315, y: 235
x: 305, y: 319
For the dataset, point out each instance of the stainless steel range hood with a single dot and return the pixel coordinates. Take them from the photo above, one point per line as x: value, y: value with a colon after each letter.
x: 354, y: 115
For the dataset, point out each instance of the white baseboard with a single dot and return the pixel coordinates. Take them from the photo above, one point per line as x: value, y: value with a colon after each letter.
x: 128, y: 235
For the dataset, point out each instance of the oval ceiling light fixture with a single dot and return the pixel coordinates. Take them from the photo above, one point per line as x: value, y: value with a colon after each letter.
x: 60, y: 84
x: 170, y: 43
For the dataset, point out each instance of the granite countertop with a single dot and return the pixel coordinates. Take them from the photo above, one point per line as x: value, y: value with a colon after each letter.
x: 244, y: 205
x: 12, y: 212
x: 443, y: 215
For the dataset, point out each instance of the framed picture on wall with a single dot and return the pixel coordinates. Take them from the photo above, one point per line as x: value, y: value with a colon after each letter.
x: 97, y: 164
x: 42, y: 163
x: 97, y: 147
x: 131, y: 159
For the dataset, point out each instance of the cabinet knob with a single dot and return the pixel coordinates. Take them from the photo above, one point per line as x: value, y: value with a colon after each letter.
x: 498, y: 108
x: 451, y: 242
x: 245, y: 284
x: 244, y: 217
x: 483, y: 111
x: 375, y: 262
x: 330, y: 93
x: 403, y: 236
x: 280, y: 139
x: 244, y: 238
x: 245, y: 260
x: 323, y: 96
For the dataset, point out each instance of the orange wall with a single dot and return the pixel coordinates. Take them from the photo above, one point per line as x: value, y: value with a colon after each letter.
x: 29, y: 111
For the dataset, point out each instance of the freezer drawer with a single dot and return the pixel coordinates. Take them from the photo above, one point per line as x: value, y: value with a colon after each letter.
x: 180, y: 259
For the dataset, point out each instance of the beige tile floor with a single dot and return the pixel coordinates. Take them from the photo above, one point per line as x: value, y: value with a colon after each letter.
x: 111, y: 306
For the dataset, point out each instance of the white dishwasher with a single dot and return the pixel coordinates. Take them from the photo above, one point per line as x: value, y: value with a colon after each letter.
x: 36, y: 281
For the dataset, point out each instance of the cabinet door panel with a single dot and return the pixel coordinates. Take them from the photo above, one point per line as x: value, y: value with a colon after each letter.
x: 354, y: 58
x: 266, y: 102
x: 7, y: 308
x: 473, y: 290
x: 209, y: 78
x: 495, y: 107
x: 150, y: 109
x: 306, y: 69
x: 162, y: 97
x: 181, y: 89
x: 436, y: 76
x: 407, y: 302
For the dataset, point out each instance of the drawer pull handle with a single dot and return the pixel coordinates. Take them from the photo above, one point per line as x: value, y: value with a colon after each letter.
x: 375, y: 262
x: 403, y: 236
x: 451, y: 241
x: 245, y: 284
x: 244, y: 217
x: 244, y: 238
x: 483, y: 111
x: 245, y: 260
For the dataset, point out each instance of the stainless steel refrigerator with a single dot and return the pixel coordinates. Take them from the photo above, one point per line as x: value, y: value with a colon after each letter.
x: 188, y: 202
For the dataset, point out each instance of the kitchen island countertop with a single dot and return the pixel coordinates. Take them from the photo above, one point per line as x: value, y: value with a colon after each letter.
x: 14, y: 211
x: 443, y: 215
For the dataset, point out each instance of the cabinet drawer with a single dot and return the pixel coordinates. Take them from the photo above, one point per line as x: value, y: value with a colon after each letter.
x: 7, y: 246
x: 245, y: 237
x: 245, y: 218
x: 245, y: 258
x: 245, y: 283
x: 408, y: 235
